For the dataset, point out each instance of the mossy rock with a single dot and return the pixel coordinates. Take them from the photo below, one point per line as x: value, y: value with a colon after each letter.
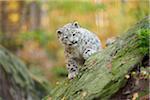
x: 16, y: 82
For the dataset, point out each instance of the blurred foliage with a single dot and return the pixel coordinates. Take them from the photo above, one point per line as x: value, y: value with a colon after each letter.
x: 37, y: 72
x: 59, y: 71
x: 142, y: 9
x: 75, y: 6
x: 37, y: 35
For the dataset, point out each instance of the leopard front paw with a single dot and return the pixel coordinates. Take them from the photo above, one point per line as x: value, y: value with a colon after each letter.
x: 87, y: 53
x: 72, y: 75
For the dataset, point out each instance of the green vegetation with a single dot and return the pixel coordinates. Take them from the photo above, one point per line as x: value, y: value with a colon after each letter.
x: 38, y: 36
x: 144, y: 36
x: 59, y: 71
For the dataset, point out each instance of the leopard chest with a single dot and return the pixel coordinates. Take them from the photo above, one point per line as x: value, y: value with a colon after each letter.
x: 76, y: 53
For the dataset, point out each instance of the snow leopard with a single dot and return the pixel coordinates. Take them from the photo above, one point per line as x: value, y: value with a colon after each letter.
x: 79, y: 44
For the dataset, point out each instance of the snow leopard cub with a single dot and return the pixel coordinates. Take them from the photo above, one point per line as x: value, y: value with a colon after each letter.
x: 79, y: 44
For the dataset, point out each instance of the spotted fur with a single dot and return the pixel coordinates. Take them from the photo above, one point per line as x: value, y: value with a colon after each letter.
x: 79, y: 44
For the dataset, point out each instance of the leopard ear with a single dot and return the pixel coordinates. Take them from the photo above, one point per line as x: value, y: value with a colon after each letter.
x: 76, y: 24
x: 59, y: 32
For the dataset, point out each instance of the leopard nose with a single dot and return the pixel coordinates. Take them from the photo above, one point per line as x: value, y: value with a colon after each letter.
x: 73, y: 42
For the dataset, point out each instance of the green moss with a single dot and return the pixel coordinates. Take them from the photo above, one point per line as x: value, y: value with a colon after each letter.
x: 144, y: 38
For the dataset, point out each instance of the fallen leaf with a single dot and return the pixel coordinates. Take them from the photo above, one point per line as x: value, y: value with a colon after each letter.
x: 135, y: 96
x: 84, y: 94
x: 109, y: 66
x: 57, y: 83
x: 127, y: 76
x: 63, y: 98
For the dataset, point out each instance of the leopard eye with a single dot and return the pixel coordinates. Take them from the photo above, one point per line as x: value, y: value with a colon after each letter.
x: 66, y: 37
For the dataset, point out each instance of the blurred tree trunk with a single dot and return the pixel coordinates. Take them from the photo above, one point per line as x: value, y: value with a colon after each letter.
x: 10, y: 16
x: 103, y: 74
x: 10, y: 22
x: 16, y: 17
x: 44, y: 15
x: 16, y: 83
x: 34, y: 16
